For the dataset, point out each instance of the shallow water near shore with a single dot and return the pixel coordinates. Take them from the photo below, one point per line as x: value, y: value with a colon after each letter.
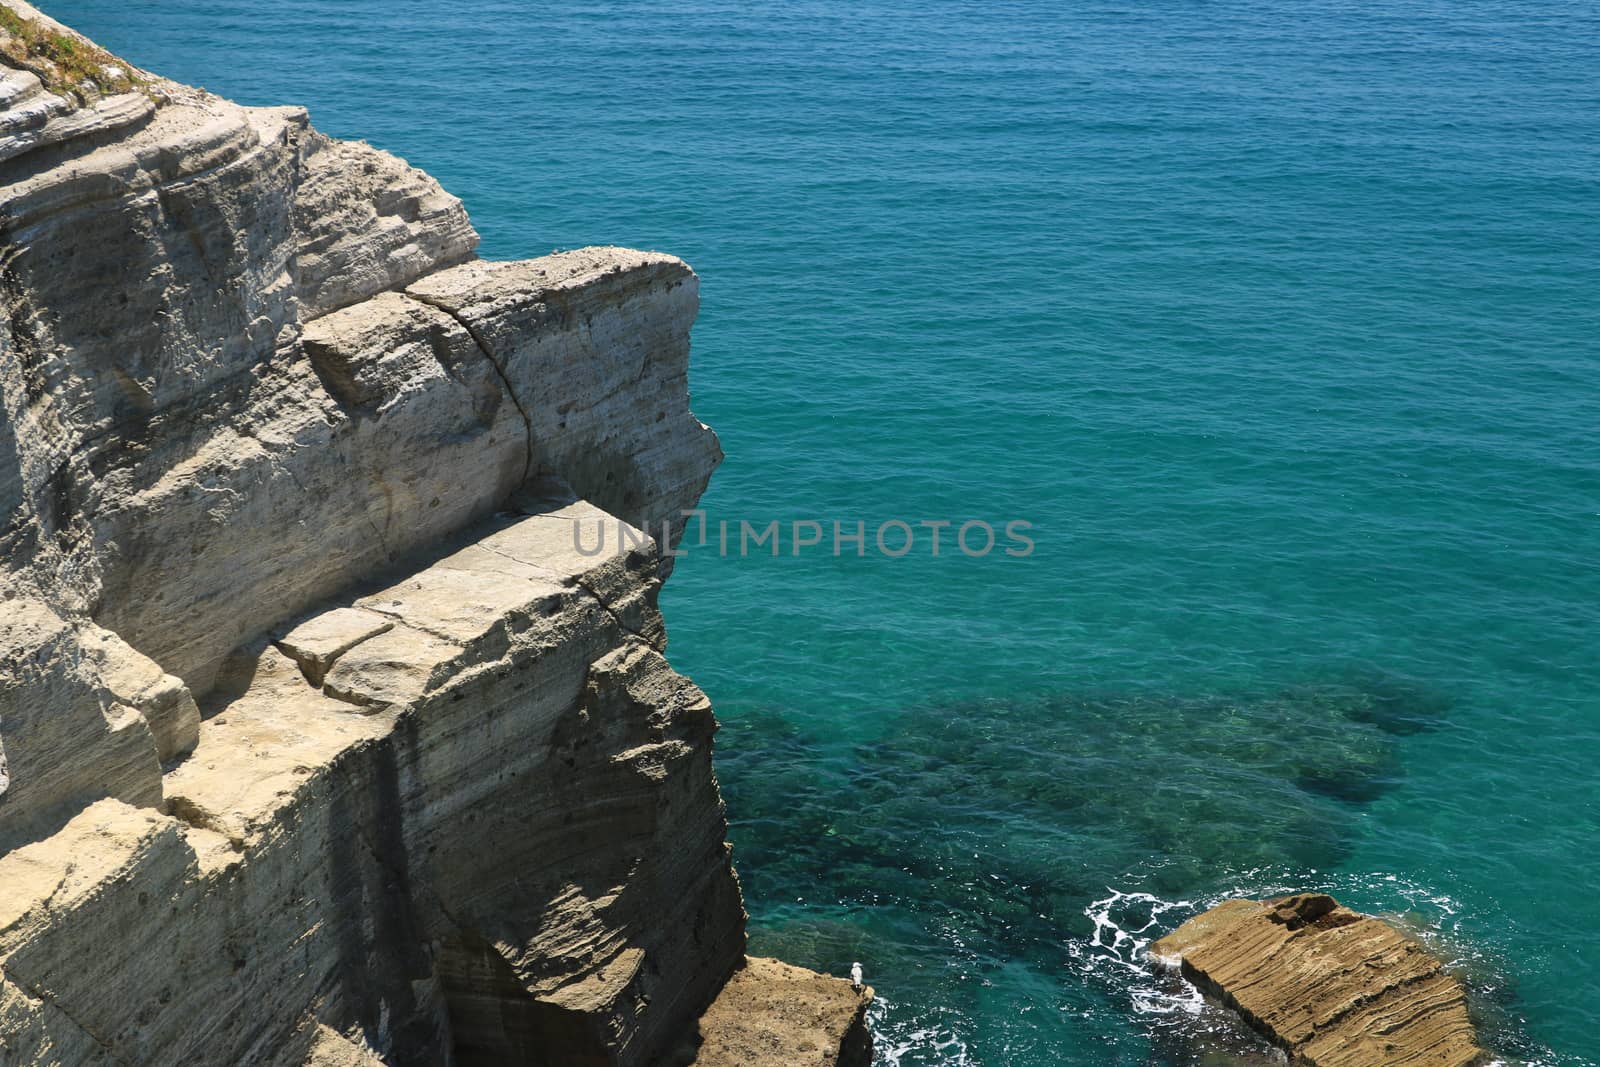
x: 1277, y: 320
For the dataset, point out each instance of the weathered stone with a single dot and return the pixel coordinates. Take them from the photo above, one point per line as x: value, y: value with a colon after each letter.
x: 1331, y: 986
x: 318, y: 643
x: 773, y: 1015
x: 318, y: 849
x: 540, y: 728
x: 162, y: 410
x: 137, y: 681
x: 368, y: 223
x: 69, y: 739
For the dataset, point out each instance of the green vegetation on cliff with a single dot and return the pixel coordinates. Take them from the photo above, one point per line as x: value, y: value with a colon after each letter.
x: 64, y: 63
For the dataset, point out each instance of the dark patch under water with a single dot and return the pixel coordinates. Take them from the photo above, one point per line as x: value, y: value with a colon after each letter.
x: 969, y: 839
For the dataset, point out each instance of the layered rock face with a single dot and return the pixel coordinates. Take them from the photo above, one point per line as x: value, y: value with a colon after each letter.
x: 321, y: 740
x: 469, y: 814
x: 1332, y: 987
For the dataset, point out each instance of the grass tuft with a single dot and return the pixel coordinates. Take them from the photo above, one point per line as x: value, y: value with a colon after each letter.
x: 65, y: 64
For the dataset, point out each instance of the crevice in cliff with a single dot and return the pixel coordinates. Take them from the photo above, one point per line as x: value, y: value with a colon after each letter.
x: 609, y: 610
x: 403, y: 876
x: 579, y: 583
x: 499, y: 369
x: 456, y: 999
x: 503, y: 554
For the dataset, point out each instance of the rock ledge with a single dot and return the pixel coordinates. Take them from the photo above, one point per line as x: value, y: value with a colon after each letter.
x: 770, y: 1014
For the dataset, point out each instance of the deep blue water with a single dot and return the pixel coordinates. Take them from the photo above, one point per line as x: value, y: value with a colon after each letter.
x: 1278, y: 320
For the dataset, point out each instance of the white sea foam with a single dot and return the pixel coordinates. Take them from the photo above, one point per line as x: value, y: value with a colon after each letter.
x: 919, y: 1040
x: 1125, y: 923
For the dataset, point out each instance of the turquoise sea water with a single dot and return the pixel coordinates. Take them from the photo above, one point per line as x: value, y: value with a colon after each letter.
x: 1278, y: 320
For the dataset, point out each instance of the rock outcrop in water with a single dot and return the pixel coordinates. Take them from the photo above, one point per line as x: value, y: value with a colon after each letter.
x: 770, y: 1012
x: 1331, y: 986
x: 320, y: 742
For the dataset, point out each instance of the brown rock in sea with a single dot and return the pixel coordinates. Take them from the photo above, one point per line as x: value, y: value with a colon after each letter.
x: 1331, y: 986
x: 770, y: 1014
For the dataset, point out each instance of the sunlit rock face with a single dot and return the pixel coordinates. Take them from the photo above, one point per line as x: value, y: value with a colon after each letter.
x: 321, y: 740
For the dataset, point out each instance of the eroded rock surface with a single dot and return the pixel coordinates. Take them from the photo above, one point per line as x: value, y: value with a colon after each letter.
x: 773, y: 1015
x: 321, y: 740
x: 1331, y: 986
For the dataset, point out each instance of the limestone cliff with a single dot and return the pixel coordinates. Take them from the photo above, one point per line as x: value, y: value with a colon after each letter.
x: 320, y: 741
